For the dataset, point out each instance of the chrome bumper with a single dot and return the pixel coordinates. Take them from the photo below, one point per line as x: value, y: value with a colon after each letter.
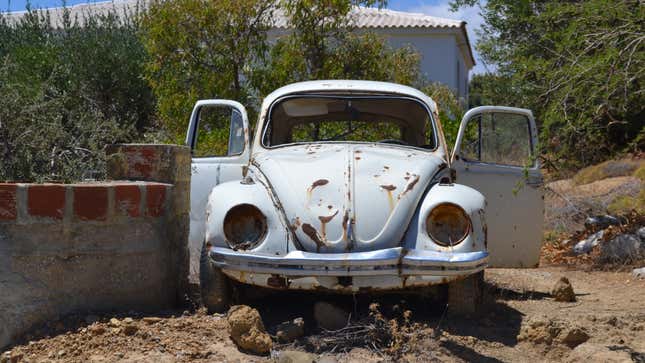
x: 392, y: 261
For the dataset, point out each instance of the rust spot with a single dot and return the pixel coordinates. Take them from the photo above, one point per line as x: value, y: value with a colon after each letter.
x: 407, y: 177
x: 323, y: 224
x: 386, y: 167
x: 311, y: 232
x: 318, y: 183
x: 330, y: 206
x: 410, y: 186
x: 296, y: 223
x: 345, y: 220
x: 277, y: 282
x: 388, y: 187
x: 358, y: 151
x: 358, y: 158
x: 327, y: 219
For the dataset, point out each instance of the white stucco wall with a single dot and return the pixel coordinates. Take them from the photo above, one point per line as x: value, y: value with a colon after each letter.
x: 441, y: 58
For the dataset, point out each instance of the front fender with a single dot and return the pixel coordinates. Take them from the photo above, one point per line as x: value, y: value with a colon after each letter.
x: 277, y: 240
x: 469, y: 199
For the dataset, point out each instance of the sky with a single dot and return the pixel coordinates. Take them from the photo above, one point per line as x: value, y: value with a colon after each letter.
x: 440, y: 8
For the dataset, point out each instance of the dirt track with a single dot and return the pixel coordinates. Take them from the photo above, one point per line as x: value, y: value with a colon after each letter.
x: 609, y: 308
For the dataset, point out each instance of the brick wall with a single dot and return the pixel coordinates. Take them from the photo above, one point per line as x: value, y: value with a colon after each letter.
x: 89, y: 247
x: 68, y: 203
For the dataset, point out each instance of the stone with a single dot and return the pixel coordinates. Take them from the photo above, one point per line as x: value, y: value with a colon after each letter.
x: 638, y: 273
x: 622, y: 248
x: 151, y: 320
x: 601, y: 222
x: 330, y: 317
x: 247, y: 330
x: 96, y: 330
x: 114, y: 322
x: 130, y: 329
x: 539, y: 331
x: 586, y: 245
x: 563, y: 291
x: 597, y: 353
x: 641, y: 234
x: 289, y: 331
x: 573, y: 337
x: 294, y: 356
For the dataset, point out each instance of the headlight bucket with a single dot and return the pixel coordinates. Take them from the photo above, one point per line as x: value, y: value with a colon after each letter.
x: 448, y: 224
x: 244, y: 226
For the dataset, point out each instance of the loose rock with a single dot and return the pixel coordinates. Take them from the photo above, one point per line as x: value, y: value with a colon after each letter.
x: 247, y: 330
x: 114, y: 322
x: 294, y: 356
x: 625, y: 247
x: 574, y: 337
x: 330, y: 317
x: 586, y: 245
x: 563, y: 291
x: 601, y: 222
x: 151, y: 320
x: 290, y: 330
x: 539, y: 331
x: 641, y: 234
x: 597, y: 353
x: 96, y: 330
x: 638, y: 273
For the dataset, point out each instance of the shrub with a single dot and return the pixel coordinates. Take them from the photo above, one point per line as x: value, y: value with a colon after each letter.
x: 67, y: 88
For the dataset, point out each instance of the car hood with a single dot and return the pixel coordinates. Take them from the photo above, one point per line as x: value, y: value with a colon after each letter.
x: 348, y: 197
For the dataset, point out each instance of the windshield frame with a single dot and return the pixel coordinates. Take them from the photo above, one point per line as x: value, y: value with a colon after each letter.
x: 267, y: 120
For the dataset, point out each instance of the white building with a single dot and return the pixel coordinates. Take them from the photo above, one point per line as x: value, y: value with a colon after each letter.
x: 446, y: 54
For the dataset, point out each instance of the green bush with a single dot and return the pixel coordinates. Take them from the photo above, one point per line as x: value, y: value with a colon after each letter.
x: 67, y: 89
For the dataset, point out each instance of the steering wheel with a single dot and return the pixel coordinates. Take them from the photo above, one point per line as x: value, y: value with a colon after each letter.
x: 394, y: 141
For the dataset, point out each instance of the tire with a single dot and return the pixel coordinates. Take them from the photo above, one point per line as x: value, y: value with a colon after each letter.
x: 466, y: 296
x: 214, y: 285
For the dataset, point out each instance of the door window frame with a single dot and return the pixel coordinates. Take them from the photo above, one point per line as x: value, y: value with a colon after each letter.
x: 478, y: 112
x: 191, y: 133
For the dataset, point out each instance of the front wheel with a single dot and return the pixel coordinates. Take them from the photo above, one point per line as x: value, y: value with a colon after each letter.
x: 214, y: 285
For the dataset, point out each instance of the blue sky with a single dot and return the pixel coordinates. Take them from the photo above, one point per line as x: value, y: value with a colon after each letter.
x: 438, y: 8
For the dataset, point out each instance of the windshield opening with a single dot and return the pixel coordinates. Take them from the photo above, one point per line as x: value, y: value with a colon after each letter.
x: 373, y: 119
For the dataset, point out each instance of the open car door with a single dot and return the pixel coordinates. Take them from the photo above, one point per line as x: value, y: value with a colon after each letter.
x: 495, y: 153
x: 218, y: 136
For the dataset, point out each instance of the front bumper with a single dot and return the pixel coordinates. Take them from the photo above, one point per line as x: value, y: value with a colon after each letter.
x: 397, y: 264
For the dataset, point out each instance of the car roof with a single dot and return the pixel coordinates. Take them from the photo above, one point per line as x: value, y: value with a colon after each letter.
x: 343, y: 85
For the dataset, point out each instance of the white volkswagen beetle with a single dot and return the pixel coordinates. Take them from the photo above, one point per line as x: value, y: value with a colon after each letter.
x: 349, y: 186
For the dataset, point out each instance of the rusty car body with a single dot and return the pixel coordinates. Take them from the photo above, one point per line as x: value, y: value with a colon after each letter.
x: 318, y: 201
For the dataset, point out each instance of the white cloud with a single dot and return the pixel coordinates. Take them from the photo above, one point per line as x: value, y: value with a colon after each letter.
x: 470, y: 15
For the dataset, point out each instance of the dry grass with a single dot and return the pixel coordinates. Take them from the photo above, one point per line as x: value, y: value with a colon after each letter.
x: 609, y: 169
x: 625, y: 204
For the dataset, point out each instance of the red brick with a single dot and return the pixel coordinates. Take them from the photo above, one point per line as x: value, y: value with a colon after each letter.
x: 155, y: 197
x: 7, y: 202
x: 46, y: 200
x: 90, y: 202
x: 127, y: 199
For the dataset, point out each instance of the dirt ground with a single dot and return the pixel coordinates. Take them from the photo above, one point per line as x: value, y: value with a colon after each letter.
x: 520, y: 323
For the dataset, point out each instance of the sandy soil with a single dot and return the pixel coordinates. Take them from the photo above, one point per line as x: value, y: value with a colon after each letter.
x: 521, y: 323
